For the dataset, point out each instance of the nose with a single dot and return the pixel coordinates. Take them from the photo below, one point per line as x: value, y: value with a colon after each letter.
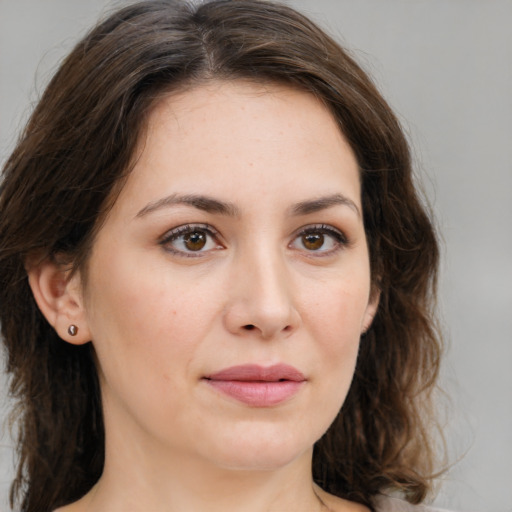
x: 261, y: 298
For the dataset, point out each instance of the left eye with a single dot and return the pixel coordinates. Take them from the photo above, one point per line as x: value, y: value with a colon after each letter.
x: 322, y: 239
x: 188, y: 240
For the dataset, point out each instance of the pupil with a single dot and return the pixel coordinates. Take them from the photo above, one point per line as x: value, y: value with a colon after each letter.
x: 313, y: 242
x: 195, y: 241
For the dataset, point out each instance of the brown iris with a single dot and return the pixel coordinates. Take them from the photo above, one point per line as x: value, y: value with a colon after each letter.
x: 313, y: 241
x: 194, y: 241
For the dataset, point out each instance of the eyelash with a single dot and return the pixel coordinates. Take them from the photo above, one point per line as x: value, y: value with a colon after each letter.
x: 188, y: 229
x: 175, y: 234
x: 340, y: 239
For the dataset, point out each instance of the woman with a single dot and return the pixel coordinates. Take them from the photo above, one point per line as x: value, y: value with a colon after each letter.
x: 217, y: 276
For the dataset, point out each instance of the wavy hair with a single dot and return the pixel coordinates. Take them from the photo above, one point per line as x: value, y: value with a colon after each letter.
x: 73, y: 156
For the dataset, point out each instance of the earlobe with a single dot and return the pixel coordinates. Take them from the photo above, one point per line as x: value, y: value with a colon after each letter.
x: 58, y: 295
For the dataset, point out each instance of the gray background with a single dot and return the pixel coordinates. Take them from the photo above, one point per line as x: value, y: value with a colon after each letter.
x: 446, y: 68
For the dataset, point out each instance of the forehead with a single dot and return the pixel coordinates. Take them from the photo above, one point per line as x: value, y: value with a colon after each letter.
x: 259, y: 111
x: 227, y: 136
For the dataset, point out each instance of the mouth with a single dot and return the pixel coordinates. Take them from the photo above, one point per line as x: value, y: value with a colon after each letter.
x: 258, y: 386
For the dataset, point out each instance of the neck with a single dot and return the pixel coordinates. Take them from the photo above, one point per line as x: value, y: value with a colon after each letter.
x: 175, y: 483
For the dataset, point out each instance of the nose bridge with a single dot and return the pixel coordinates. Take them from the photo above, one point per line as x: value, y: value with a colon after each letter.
x: 270, y: 282
x: 262, y: 298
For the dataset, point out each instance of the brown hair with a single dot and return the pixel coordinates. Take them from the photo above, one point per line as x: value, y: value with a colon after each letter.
x: 72, y: 157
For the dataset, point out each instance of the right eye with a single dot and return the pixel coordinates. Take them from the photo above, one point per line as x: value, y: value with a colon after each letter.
x: 191, y: 240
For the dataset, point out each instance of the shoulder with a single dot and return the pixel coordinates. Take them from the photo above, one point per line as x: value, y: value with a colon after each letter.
x: 388, y: 504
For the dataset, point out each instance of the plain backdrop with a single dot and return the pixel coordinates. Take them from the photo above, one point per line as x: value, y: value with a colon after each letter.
x: 446, y: 68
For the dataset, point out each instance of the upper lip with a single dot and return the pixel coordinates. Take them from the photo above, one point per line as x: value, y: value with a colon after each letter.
x: 254, y: 372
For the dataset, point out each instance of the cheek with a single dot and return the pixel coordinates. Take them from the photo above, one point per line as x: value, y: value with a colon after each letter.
x: 336, y: 312
x: 143, y: 301
x: 335, y: 315
x: 145, y: 319
x: 147, y: 326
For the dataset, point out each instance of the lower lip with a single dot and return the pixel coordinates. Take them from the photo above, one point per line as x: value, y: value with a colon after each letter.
x: 257, y: 393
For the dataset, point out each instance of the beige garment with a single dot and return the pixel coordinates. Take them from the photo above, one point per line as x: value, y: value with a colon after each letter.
x: 388, y: 504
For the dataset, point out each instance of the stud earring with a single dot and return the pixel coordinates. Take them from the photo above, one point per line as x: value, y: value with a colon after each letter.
x: 72, y: 330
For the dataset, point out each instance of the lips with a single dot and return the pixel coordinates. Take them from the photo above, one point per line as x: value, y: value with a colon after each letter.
x: 258, y: 386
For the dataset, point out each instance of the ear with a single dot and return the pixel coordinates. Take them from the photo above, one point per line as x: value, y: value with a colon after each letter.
x: 371, y: 311
x: 58, y: 294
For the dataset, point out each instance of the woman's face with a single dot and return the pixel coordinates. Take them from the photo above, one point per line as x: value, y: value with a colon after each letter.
x: 230, y: 283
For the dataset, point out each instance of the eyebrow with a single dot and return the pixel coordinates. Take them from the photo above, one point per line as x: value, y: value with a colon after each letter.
x: 205, y: 203
x: 322, y: 203
x: 211, y: 205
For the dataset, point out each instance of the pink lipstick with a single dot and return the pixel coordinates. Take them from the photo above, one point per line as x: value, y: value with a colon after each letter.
x: 258, y: 386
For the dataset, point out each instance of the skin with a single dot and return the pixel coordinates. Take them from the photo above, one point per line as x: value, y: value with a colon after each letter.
x: 161, y: 316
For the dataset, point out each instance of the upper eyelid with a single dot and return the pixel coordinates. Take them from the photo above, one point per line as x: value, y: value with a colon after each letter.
x: 320, y: 227
x: 184, y: 228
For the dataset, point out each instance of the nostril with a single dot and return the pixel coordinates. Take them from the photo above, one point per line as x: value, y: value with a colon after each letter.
x: 249, y: 327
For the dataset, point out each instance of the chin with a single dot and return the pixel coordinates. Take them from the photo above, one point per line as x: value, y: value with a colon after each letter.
x: 259, y: 452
